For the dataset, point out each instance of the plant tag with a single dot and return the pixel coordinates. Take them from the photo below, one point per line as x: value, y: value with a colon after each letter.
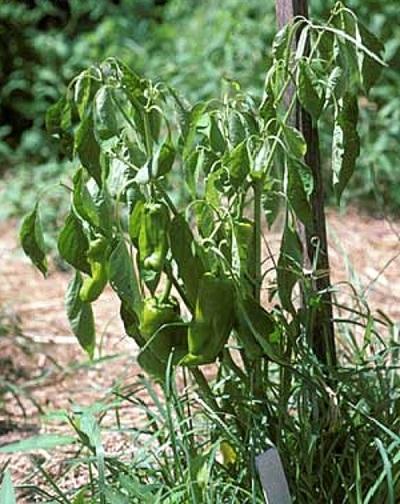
x: 272, y: 476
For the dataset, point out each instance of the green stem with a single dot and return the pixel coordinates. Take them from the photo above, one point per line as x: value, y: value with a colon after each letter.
x: 257, y: 238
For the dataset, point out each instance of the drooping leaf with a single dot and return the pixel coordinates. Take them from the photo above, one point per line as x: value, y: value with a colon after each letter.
x: 347, y: 55
x: 158, y: 165
x: 267, y: 107
x: 346, y: 144
x: 105, y: 115
x: 280, y: 45
x: 118, y: 178
x: 370, y: 68
x: 84, y: 90
x: 305, y: 175
x: 131, y: 323
x: 191, y: 170
x: 190, y: 127
x: 123, y: 277
x: 73, y: 243
x: 238, y: 164
x: 217, y: 141
x: 296, y: 193
x: 271, y: 199
x: 135, y: 220
x: 295, y: 141
x: 237, y: 131
x: 87, y: 148
x: 190, y: 266
x: 289, y: 266
x: 310, y: 96
x: 92, y: 204
x: 32, y: 240
x: 80, y: 315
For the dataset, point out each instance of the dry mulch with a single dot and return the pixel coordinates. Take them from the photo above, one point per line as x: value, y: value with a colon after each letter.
x: 41, y: 360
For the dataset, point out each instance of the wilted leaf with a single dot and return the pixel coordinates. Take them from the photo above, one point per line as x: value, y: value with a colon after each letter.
x: 280, y: 45
x: 289, y: 266
x: 123, y: 277
x: 190, y: 266
x: 346, y: 144
x: 105, y: 116
x: 310, y: 96
x: 80, y: 315
x: 32, y: 240
x: 238, y: 164
x: 295, y: 141
x: 87, y: 148
x: 297, y: 191
x: 73, y: 243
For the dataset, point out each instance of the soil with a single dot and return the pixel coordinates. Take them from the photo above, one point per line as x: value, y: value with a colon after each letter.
x: 43, y: 370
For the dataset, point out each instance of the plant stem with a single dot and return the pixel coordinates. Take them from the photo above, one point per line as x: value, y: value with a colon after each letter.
x: 257, y: 187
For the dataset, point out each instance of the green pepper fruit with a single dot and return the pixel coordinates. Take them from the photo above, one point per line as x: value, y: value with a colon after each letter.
x: 161, y: 340
x: 97, y: 256
x: 213, y: 320
x: 153, y: 242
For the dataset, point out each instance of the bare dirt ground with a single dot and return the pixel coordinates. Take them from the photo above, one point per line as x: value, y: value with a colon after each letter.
x: 42, y: 369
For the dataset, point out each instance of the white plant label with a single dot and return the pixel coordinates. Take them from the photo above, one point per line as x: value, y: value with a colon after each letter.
x: 272, y: 476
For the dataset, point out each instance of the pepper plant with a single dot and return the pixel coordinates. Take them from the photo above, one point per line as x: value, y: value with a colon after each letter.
x: 170, y: 202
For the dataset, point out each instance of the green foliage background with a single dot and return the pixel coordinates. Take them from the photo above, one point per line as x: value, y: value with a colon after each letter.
x: 200, y: 47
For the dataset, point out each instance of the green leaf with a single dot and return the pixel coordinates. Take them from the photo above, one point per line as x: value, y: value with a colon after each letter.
x: 289, y: 266
x: 346, y: 144
x: 217, y: 141
x: 158, y: 165
x: 190, y: 127
x: 280, y: 45
x: 84, y: 90
x: 309, y: 95
x: 347, y: 55
x: 54, y: 116
x: 295, y: 141
x: 267, y: 107
x: 7, y: 492
x: 105, y: 116
x: 32, y: 240
x: 80, y: 316
x: 297, y: 192
x: 73, y: 244
x: 123, y: 277
x: 305, y: 175
x: 192, y: 168
x: 135, y: 220
x: 271, y: 200
x: 237, y: 131
x: 183, y: 247
x: 41, y: 442
x: 92, y: 204
x: 87, y: 148
x: 370, y: 68
x: 238, y: 164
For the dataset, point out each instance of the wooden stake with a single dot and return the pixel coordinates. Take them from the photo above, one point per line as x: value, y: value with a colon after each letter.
x: 315, y: 245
